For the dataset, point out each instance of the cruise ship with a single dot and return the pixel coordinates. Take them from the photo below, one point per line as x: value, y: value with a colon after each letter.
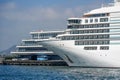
x: 30, y: 49
x: 92, y: 40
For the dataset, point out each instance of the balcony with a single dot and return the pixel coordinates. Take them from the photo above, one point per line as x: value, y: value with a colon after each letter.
x: 32, y: 52
x: 29, y: 46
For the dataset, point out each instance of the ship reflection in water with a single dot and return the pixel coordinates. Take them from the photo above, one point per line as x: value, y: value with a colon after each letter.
x: 57, y: 73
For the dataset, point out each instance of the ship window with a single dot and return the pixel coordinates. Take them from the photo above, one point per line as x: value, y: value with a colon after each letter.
x: 86, y: 20
x: 96, y: 20
x: 96, y: 15
x: 86, y: 37
x: 91, y: 20
x: 88, y: 26
x: 74, y: 21
x: 90, y: 48
x: 92, y: 42
x: 34, y: 36
x: 104, y: 48
x: 69, y: 27
x: 103, y: 19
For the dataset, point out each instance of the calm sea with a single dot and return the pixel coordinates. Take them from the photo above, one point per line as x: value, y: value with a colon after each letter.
x: 10, y: 72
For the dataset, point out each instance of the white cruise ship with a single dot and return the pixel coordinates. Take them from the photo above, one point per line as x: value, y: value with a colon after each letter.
x: 92, y: 40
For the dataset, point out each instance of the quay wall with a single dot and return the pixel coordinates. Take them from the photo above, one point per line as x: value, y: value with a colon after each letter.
x: 34, y: 62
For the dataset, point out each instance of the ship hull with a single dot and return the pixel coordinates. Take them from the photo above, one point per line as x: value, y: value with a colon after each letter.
x: 75, y: 55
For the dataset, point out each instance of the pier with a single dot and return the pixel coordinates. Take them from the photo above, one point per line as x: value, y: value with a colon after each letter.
x: 1, y: 60
x: 35, y: 62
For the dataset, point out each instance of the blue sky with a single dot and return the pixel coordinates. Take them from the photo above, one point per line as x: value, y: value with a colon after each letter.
x: 19, y: 17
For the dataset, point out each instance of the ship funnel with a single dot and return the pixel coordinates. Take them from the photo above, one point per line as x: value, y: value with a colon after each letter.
x: 117, y: 2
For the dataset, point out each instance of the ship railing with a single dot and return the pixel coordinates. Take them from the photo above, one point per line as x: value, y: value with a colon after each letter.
x: 32, y: 51
x: 29, y: 45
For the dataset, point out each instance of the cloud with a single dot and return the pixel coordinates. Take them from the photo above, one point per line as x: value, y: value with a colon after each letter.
x: 40, y: 14
x: 31, y: 14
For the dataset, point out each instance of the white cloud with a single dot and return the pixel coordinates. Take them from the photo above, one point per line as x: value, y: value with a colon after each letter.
x: 49, y: 16
x: 40, y: 14
x: 10, y: 11
x: 31, y: 14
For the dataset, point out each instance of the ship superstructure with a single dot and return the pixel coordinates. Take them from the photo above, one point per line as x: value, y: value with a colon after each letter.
x: 92, y: 40
x: 30, y: 49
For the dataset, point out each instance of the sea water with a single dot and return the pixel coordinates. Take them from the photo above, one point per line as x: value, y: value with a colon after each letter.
x: 10, y: 72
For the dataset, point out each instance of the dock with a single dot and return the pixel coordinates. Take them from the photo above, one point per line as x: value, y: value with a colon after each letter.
x: 1, y: 60
x: 35, y: 62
